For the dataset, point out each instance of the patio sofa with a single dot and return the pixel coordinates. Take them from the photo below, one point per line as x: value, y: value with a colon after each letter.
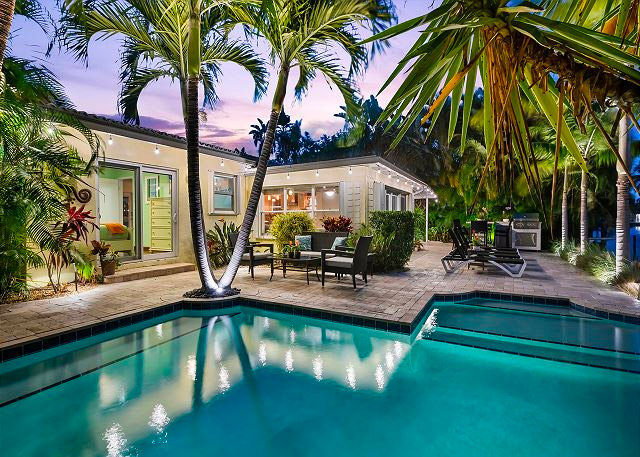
x: 322, y: 240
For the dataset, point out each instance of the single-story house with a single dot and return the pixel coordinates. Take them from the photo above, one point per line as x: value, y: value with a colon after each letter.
x: 140, y: 203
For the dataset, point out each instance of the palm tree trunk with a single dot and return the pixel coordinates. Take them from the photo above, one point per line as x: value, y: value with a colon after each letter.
x: 258, y: 180
x: 584, y: 220
x: 565, y: 208
x: 7, y: 7
x: 622, y: 198
x: 198, y: 237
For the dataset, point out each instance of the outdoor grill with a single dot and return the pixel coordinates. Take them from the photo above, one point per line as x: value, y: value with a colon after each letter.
x: 526, y: 231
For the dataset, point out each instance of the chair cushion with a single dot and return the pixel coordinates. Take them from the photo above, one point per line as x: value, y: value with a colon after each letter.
x: 316, y: 254
x: 305, y: 242
x: 256, y: 256
x: 340, y: 262
x: 339, y: 241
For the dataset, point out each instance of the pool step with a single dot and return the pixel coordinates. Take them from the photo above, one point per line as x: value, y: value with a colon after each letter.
x: 132, y: 274
x: 550, y: 351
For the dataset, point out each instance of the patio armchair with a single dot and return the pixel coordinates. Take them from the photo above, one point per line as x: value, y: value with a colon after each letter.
x: 251, y: 257
x: 345, y: 262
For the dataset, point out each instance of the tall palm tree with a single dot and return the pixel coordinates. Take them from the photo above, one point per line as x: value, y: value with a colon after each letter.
x: 185, y: 40
x: 622, y: 198
x: 516, y: 48
x: 305, y: 34
x: 7, y: 7
x: 257, y: 133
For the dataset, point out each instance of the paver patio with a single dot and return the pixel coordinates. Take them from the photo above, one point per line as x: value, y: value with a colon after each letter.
x: 397, y: 296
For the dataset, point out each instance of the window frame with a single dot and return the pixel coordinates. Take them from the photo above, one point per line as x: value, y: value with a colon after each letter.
x: 313, y: 211
x: 212, y: 194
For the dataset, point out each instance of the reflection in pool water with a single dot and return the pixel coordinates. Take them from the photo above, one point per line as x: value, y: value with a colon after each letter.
x: 281, y: 386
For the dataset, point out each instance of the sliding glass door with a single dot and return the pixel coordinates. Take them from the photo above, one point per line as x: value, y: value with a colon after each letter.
x: 138, y: 210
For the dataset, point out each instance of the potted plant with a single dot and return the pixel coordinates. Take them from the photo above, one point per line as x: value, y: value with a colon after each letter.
x: 109, y: 260
x: 296, y: 249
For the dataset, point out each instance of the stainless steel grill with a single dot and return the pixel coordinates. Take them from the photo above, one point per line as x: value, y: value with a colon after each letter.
x: 527, y: 231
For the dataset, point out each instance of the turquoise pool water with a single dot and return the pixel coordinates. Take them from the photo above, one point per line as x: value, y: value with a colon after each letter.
x: 261, y: 384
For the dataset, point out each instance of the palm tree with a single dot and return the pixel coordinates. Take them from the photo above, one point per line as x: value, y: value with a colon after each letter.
x: 516, y: 48
x: 257, y: 132
x: 304, y: 34
x: 7, y: 8
x: 622, y: 198
x: 185, y: 40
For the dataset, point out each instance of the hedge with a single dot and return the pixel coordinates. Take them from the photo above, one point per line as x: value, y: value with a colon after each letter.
x: 286, y: 226
x: 393, y: 233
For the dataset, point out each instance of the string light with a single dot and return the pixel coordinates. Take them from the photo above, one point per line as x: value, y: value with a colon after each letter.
x: 350, y: 171
x: 378, y: 170
x: 317, y: 173
x: 389, y: 175
x: 110, y: 140
x: 157, y: 150
x: 398, y: 179
x: 288, y: 176
x: 222, y: 162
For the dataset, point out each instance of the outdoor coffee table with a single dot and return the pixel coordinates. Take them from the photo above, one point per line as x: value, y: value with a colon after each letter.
x: 305, y: 263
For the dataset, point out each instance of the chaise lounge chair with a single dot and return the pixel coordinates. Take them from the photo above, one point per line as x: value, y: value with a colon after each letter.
x: 347, y: 262
x: 508, y: 261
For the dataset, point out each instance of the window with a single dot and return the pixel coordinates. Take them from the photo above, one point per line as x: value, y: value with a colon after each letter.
x: 318, y: 201
x: 152, y: 187
x: 223, y: 194
x: 395, y: 200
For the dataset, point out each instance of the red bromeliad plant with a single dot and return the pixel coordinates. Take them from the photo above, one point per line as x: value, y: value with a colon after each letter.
x: 58, y: 253
x: 337, y: 224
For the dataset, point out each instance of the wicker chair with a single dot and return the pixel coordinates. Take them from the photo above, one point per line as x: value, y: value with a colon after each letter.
x: 347, y: 263
x: 252, y: 258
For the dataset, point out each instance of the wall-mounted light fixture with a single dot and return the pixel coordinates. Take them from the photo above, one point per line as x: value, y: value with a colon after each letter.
x: 110, y: 141
x: 157, y: 150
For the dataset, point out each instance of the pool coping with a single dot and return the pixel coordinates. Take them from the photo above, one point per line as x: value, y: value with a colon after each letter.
x: 38, y: 344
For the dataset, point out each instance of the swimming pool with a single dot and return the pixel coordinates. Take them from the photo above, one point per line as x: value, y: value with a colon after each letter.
x: 481, y: 377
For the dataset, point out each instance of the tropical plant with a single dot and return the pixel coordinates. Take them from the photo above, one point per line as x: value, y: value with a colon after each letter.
x: 419, y: 223
x: 517, y: 48
x: 337, y: 224
x: 305, y: 34
x: 286, y: 226
x: 58, y: 253
x: 219, y: 243
x: 184, y: 40
x: 397, y: 229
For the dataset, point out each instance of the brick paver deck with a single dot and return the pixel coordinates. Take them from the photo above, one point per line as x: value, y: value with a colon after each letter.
x: 397, y: 296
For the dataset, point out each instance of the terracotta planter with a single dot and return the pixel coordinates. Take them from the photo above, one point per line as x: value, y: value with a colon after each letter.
x: 108, y: 267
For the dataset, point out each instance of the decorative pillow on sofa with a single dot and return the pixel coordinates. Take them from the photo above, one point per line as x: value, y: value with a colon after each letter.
x: 339, y: 241
x: 305, y: 242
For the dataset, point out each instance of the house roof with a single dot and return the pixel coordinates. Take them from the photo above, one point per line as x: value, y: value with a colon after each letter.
x: 373, y: 160
x: 115, y: 127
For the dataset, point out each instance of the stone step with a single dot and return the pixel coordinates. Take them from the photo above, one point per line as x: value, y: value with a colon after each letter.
x: 131, y: 274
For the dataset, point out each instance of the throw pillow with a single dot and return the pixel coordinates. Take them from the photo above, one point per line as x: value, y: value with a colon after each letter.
x: 339, y: 241
x: 305, y: 242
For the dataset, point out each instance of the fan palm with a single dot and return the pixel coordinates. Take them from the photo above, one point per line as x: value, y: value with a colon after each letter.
x: 185, y: 40
x: 305, y: 34
x: 540, y: 51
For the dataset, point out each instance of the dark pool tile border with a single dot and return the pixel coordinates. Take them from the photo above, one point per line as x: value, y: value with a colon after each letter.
x: 51, y: 341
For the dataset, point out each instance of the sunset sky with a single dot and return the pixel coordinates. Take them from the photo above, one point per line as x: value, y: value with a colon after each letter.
x: 94, y: 88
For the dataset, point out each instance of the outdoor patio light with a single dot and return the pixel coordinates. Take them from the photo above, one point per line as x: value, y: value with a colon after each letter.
x: 398, y: 179
x: 290, y: 192
x: 288, y: 177
x: 222, y: 162
x: 389, y: 175
x: 317, y: 173
x: 157, y: 150
x: 378, y: 171
x: 110, y: 140
x: 350, y: 171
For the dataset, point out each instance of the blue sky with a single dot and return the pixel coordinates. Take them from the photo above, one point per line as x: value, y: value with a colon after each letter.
x: 94, y: 87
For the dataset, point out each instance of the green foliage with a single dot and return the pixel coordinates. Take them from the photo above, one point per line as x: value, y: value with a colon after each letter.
x: 595, y: 260
x: 85, y: 267
x: 419, y: 223
x: 219, y: 244
x: 394, y: 233
x: 286, y: 226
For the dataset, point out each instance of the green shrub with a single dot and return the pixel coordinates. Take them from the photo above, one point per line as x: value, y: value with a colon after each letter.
x: 287, y: 225
x: 439, y: 233
x: 393, y: 232
x: 594, y: 260
x: 218, y: 243
x: 419, y: 223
